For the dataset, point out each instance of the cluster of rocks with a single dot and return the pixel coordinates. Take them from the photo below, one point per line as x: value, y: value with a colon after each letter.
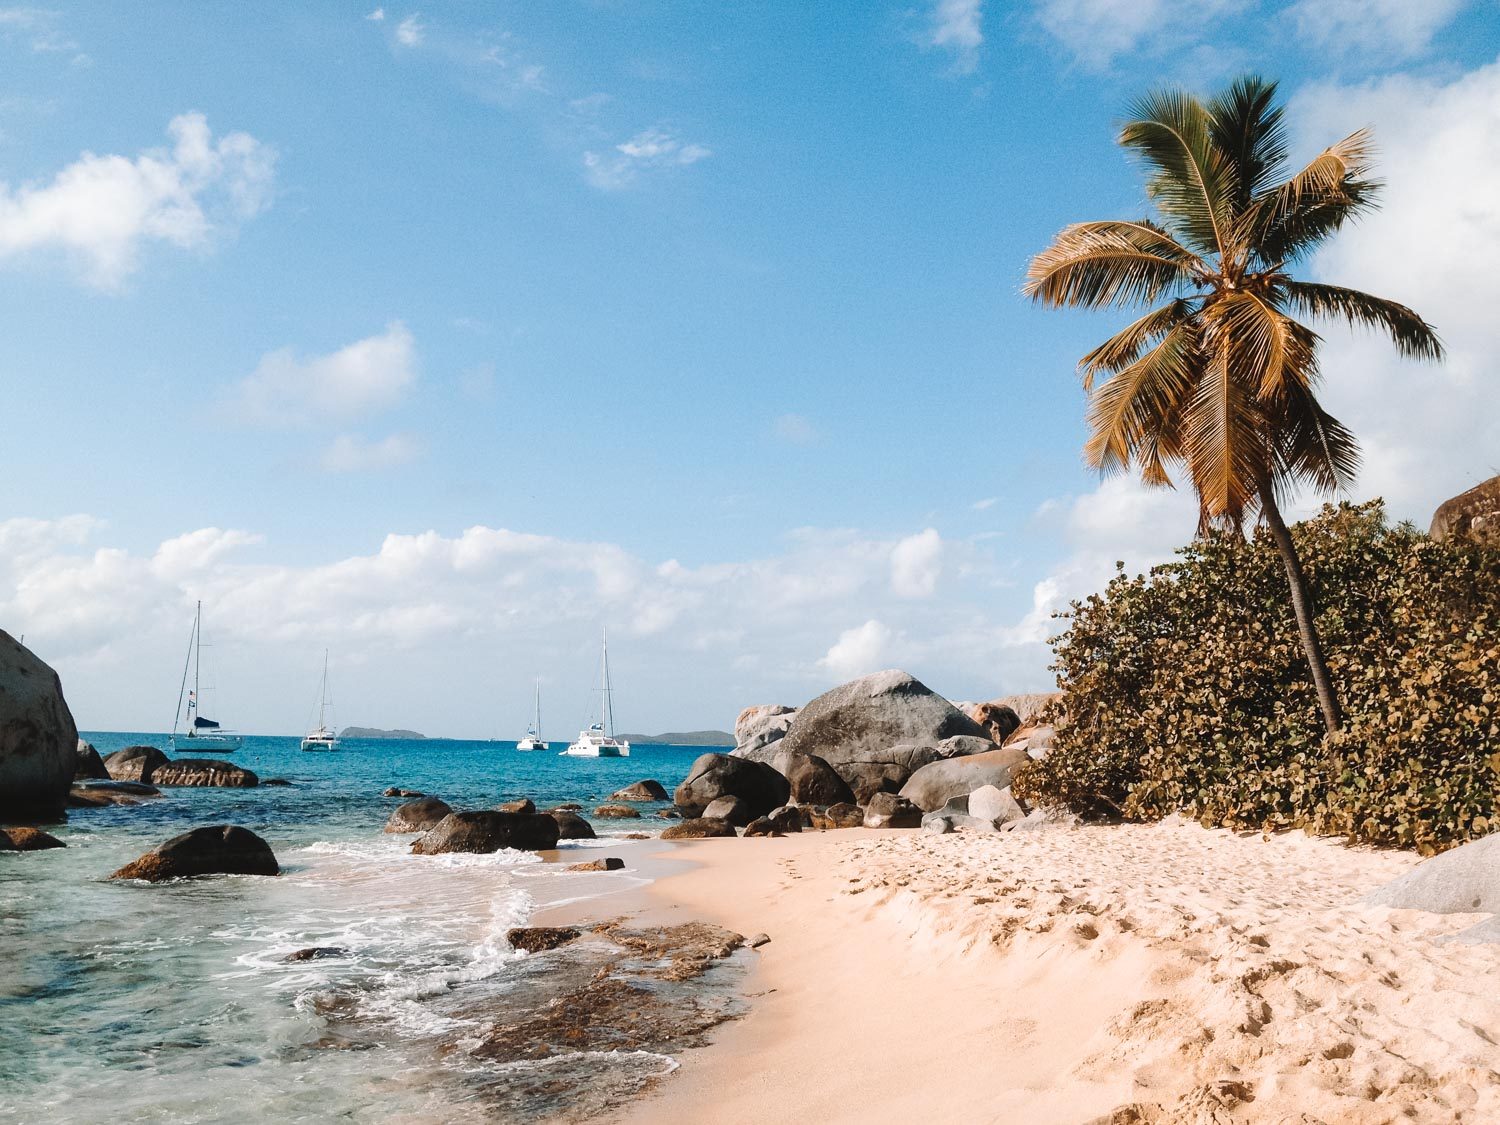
x: 882, y: 751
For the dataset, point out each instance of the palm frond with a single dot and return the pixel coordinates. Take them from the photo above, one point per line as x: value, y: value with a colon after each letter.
x: 1316, y: 449
x: 1192, y: 183
x: 1113, y: 263
x: 1268, y: 350
x: 1288, y: 219
x: 1125, y: 347
x: 1412, y: 335
x: 1130, y: 414
x: 1224, y: 439
x: 1248, y: 126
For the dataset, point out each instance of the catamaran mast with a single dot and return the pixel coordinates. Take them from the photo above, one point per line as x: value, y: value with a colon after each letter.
x: 195, y: 699
x: 538, y: 726
x: 609, y: 710
x: 323, y: 696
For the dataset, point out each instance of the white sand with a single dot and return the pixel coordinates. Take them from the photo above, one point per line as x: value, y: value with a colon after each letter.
x: 1194, y: 975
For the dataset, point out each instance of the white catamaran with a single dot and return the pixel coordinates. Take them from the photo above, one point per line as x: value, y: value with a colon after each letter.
x: 322, y: 736
x: 533, y: 739
x: 203, y: 735
x: 599, y: 740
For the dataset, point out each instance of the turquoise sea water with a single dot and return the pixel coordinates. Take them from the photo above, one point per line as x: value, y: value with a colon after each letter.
x: 174, y: 1003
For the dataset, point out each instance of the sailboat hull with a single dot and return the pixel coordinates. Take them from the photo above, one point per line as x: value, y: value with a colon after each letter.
x: 532, y: 744
x: 205, y: 744
x: 320, y: 744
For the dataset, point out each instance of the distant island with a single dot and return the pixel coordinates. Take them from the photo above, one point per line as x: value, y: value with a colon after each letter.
x: 376, y: 732
x: 683, y: 738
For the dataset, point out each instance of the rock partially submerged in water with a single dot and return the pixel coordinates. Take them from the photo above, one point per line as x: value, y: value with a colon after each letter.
x: 38, y: 740
x: 616, y: 812
x: 28, y: 840
x: 488, y: 831
x: 277, y: 782
x: 218, y: 849
x: 317, y: 953
x: 135, y: 763
x: 87, y: 765
x: 698, y: 828
x: 608, y: 863
x: 393, y: 791
x: 647, y: 790
x: 886, y: 810
x: 718, y: 775
x: 418, y: 815
x: 523, y: 805
x: 203, y: 772
x: 571, y: 826
x: 100, y: 794
x: 535, y: 939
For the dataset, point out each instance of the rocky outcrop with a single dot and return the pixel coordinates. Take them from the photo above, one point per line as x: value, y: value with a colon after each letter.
x: 219, y: 849
x: 417, y: 816
x: 759, y: 727
x: 886, y: 810
x: 411, y: 794
x: 719, y: 775
x: 995, y: 806
x: 617, y: 812
x: 998, y: 720
x: 802, y: 814
x: 732, y: 809
x: 838, y: 816
x: 571, y: 826
x: 488, y: 831
x: 608, y: 863
x: 535, y: 939
x: 697, y: 828
x: 934, y: 785
x: 135, y: 763
x: 647, y: 790
x: 779, y: 823
x: 1474, y: 514
x: 865, y: 779
x: 813, y: 781
x: 1036, y: 741
x: 1027, y: 707
x: 87, y: 765
x: 524, y: 805
x: 203, y: 772
x: 38, y: 740
x: 28, y: 840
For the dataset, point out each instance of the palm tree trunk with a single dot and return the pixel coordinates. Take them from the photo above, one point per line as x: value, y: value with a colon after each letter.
x: 1302, y: 606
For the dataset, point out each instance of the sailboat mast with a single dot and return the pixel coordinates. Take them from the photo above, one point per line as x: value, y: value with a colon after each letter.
x: 323, y: 695
x: 197, y: 654
x: 538, y: 687
x: 609, y: 708
x: 187, y: 662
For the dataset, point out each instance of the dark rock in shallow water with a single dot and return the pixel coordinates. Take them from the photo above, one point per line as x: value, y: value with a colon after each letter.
x: 484, y: 832
x: 100, y: 794
x: 609, y: 863
x: 535, y: 939
x: 571, y: 826
x: 718, y: 775
x: 636, y: 836
x: 732, y: 809
x: 219, y: 849
x: 203, y: 772
x: 412, y: 794
x: 278, y: 782
x: 316, y: 953
x: 567, y: 806
x: 134, y: 763
x: 38, y: 740
x: 617, y: 812
x: 28, y: 840
x: 698, y: 828
x: 886, y: 810
x: 669, y: 814
x: 88, y: 766
x: 647, y: 790
x: 524, y: 805
x: 418, y: 815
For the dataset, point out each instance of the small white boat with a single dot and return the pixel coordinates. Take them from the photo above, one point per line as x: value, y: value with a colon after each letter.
x: 599, y: 740
x: 202, y: 735
x: 533, y: 739
x: 322, y: 736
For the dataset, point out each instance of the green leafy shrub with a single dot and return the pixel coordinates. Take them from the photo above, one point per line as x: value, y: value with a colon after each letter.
x: 1186, y: 689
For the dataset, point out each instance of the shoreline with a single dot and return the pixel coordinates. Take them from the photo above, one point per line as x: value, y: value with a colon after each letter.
x: 1162, y: 972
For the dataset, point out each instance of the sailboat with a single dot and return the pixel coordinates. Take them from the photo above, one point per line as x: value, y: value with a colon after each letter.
x: 599, y: 740
x: 203, y: 735
x: 322, y: 737
x: 533, y: 739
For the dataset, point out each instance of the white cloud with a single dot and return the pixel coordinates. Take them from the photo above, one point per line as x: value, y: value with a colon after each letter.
x: 986, y: 504
x: 796, y: 429
x: 350, y: 453
x: 359, y: 379
x: 1429, y: 431
x: 956, y: 27
x: 101, y: 210
x: 859, y: 651
x: 1382, y: 27
x: 652, y: 148
x: 188, y: 554
x: 916, y: 563
x: 411, y: 31
x: 1098, y: 31
x: 39, y: 27
x: 376, y: 16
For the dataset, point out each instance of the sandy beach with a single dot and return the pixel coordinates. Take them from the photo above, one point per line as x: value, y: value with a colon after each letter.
x: 1131, y: 973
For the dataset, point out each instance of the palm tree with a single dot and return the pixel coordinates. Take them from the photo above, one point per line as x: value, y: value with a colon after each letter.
x: 1217, y: 381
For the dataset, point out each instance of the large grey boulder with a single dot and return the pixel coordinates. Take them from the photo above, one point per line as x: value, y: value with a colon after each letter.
x: 718, y: 775
x: 997, y: 806
x: 135, y: 763
x: 866, y: 779
x: 813, y: 781
x: 219, y: 849
x: 488, y: 831
x: 38, y: 740
x: 87, y: 765
x: 861, y: 721
x: 571, y: 826
x: 647, y: 790
x: 1474, y: 514
x: 886, y: 810
x: 731, y: 809
x: 932, y: 786
x: 1465, y: 880
x: 417, y: 816
x: 203, y: 772
x: 759, y: 727
x: 1029, y: 706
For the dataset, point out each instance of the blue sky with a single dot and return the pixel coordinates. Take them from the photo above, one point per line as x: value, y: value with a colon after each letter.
x: 444, y: 338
